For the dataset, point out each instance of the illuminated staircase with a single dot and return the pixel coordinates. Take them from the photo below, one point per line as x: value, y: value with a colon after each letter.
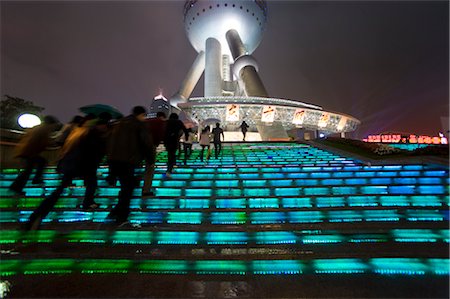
x: 264, y: 220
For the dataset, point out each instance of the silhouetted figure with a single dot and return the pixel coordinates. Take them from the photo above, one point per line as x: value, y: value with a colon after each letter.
x: 130, y: 143
x: 187, y: 145
x: 205, y: 140
x: 244, y: 128
x: 217, y: 132
x: 156, y: 127
x: 174, y: 129
x: 29, y: 149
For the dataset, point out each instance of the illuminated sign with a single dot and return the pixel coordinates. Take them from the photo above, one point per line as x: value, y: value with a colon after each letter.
x: 342, y: 123
x: 397, y: 138
x: 232, y: 112
x: 299, y: 115
x: 323, y: 121
x: 268, y: 114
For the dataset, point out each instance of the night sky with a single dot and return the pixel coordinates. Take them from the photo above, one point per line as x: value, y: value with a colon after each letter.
x: 384, y: 62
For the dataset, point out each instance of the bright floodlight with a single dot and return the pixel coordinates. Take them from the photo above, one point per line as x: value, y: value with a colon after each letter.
x: 28, y: 120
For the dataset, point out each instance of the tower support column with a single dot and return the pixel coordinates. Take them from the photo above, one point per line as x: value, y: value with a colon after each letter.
x: 191, y: 80
x: 245, y: 67
x: 213, y: 68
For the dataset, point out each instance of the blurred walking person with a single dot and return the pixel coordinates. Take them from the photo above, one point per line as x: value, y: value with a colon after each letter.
x: 29, y: 149
x: 156, y: 127
x: 81, y: 155
x: 174, y: 129
x: 217, y: 132
x: 244, y: 128
x: 205, y: 140
x: 130, y: 143
x: 187, y: 145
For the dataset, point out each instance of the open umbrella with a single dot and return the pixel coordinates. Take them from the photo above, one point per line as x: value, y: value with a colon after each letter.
x: 96, y: 109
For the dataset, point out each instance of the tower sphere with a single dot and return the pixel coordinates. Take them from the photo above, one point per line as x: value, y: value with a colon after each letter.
x: 213, y: 18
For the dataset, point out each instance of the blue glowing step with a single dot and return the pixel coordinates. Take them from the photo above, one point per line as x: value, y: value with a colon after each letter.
x: 226, y: 238
x: 242, y: 217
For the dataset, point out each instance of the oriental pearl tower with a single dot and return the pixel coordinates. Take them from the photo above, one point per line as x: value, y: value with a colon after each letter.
x: 225, y: 33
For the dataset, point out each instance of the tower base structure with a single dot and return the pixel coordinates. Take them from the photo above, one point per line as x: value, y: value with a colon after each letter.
x: 270, y: 117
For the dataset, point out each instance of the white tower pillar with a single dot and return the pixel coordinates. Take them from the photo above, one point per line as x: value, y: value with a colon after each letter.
x: 213, y: 68
x: 245, y: 67
x: 190, y: 81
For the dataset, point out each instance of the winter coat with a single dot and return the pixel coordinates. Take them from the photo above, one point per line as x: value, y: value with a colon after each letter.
x: 131, y: 142
x: 174, y: 130
x: 35, y: 141
x: 83, y: 151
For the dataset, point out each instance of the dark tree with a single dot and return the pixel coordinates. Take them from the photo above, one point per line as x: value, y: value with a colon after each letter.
x: 12, y: 107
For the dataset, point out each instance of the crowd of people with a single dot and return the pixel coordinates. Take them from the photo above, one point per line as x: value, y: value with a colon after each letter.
x: 125, y: 144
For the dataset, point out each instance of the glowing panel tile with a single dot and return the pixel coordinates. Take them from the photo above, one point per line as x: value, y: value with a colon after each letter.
x: 432, y: 190
x: 54, y: 266
x: 193, y: 203
x: 374, y: 189
x: 205, y: 183
x: 438, y: 173
x: 424, y: 215
x: 344, y: 216
x: 10, y: 236
x: 381, y: 215
x: 260, y: 203
x: 132, y: 237
x: 322, y: 239
x: 394, y: 201
x: 226, y: 238
x: 168, y: 192
x: 296, y: 202
x: 275, y: 237
x: 317, y: 191
x: 159, y: 204
x: 409, y: 173
x: 198, y: 192
x: 368, y: 238
x: 87, y: 236
x: 163, y: 267
x: 228, y: 192
x: 267, y: 217
x: 339, y: 266
x: 365, y: 174
x: 382, y: 181
x: 430, y: 181
x: 257, y: 192
x: 307, y: 182
x: 273, y: 175
x: 343, y: 190
x: 439, y: 266
x: 10, y: 267
x: 401, y: 189
x: 362, y: 201
x: 226, y: 183
x: 231, y: 203
x: 287, y: 191
x: 228, y: 217
x: 330, y: 202
x: 268, y: 267
x: 403, y: 266
x: 97, y: 266
x: 305, y: 216
x: 415, y: 235
x: 184, y: 217
x: 177, y: 237
x: 220, y: 267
